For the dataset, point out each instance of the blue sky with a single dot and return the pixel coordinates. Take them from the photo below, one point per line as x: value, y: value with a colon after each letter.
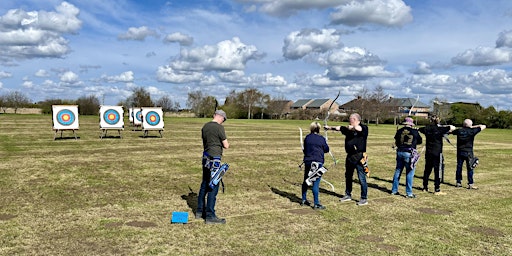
x: 450, y: 49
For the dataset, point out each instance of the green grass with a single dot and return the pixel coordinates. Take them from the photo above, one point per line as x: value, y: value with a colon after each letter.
x: 115, y: 196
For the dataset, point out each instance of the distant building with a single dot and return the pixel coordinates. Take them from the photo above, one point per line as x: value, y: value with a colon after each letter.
x: 404, y: 106
x: 314, y: 104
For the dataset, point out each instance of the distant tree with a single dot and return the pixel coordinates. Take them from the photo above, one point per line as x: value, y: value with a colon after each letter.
x: 461, y: 111
x: 46, y: 105
x: 3, y: 103
x: 167, y: 104
x: 88, y: 105
x: 17, y: 100
x: 379, y: 107
x: 200, y: 104
x: 139, y: 98
x: 248, y: 102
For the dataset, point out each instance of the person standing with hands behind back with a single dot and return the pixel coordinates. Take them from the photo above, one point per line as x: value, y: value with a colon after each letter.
x: 315, y: 146
x: 356, y: 136
x: 406, y: 139
x: 214, y: 141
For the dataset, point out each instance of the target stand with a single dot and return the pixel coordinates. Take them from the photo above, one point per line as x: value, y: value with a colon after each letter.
x: 152, y: 120
x: 111, y: 118
x: 65, y: 118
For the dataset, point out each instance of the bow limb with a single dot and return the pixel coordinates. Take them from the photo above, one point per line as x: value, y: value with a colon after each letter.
x: 325, y: 124
x: 301, y: 140
x: 417, y: 99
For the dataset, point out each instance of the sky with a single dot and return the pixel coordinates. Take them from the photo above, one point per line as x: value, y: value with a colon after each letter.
x: 450, y: 50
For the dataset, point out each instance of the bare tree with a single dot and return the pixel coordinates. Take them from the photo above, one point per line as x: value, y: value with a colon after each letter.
x: 17, y: 100
x: 88, y: 105
x: 202, y: 105
x: 167, y: 104
x: 139, y: 98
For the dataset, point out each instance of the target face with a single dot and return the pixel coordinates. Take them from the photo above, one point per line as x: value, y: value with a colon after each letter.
x: 111, y: 117
x: 152, y: 118
x: 137, y: 116
x: 65, y: 117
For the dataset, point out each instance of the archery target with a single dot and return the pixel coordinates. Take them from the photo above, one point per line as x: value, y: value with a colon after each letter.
x: 111, y: 117
x: 152, y: 118
x: 65, y: 117
x: 137, y: 116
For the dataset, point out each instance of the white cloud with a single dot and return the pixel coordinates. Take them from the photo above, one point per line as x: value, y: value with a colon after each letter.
x: 4, y: 74
x: 227, y: 55
x: 355, y: 63
x: 483, y: 56
x: 382, y: 12
x: 42, y: 73
x: 285, y: 8
x: 26, y: 35
x: 491, y: 81
x: 69, y: 77
x: 422, y: 68
x: 182, y: 39
x: 138, y: 34
x: 301, y: 43
x: 124, y: 77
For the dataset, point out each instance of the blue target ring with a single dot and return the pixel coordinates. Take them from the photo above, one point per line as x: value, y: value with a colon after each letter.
x: 111, y: 116
x: 152, y: 118
x: 65, y: 117
x: 138, y: 115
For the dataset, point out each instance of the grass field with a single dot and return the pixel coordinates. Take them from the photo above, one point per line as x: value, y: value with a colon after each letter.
x: 115, y: 196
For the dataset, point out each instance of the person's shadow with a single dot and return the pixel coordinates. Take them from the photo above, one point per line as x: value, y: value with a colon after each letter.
x: 191, y: 199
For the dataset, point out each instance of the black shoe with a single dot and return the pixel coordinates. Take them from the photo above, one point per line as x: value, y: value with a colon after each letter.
x: 215, y: 220
x: 411, y: 196
x: 319, y: 207
x: 305, y: 202
x: 199, y: 215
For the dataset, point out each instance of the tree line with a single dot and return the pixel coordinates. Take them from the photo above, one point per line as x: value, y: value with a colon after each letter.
x: 373, y: 106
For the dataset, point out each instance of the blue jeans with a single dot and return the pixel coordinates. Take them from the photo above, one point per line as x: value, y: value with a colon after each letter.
x: 403, y: 159
x: 315, y: 188
x: 209, y: 193
x: 349, y: 173
x: 461, y: 158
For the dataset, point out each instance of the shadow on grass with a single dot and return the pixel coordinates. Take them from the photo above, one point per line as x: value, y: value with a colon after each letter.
x: 292, y: 197
x: 191, y: 199
x: 321, y: 190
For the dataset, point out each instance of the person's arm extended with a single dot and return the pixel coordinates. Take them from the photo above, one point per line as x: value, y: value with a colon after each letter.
x: 225, y: 143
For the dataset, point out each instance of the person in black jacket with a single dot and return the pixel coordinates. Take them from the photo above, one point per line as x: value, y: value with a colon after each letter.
x: 406, y: 139
x: 465, y: 138
x: 434, y: 133
x: 315, y: 146
x: 356, y: 136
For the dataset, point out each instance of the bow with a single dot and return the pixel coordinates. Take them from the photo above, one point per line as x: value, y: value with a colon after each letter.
x: 325, y: 124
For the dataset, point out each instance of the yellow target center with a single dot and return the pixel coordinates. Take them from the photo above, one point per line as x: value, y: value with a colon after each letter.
x: 111, y: 117
x: 65, y: 117
x: 152, y: 118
